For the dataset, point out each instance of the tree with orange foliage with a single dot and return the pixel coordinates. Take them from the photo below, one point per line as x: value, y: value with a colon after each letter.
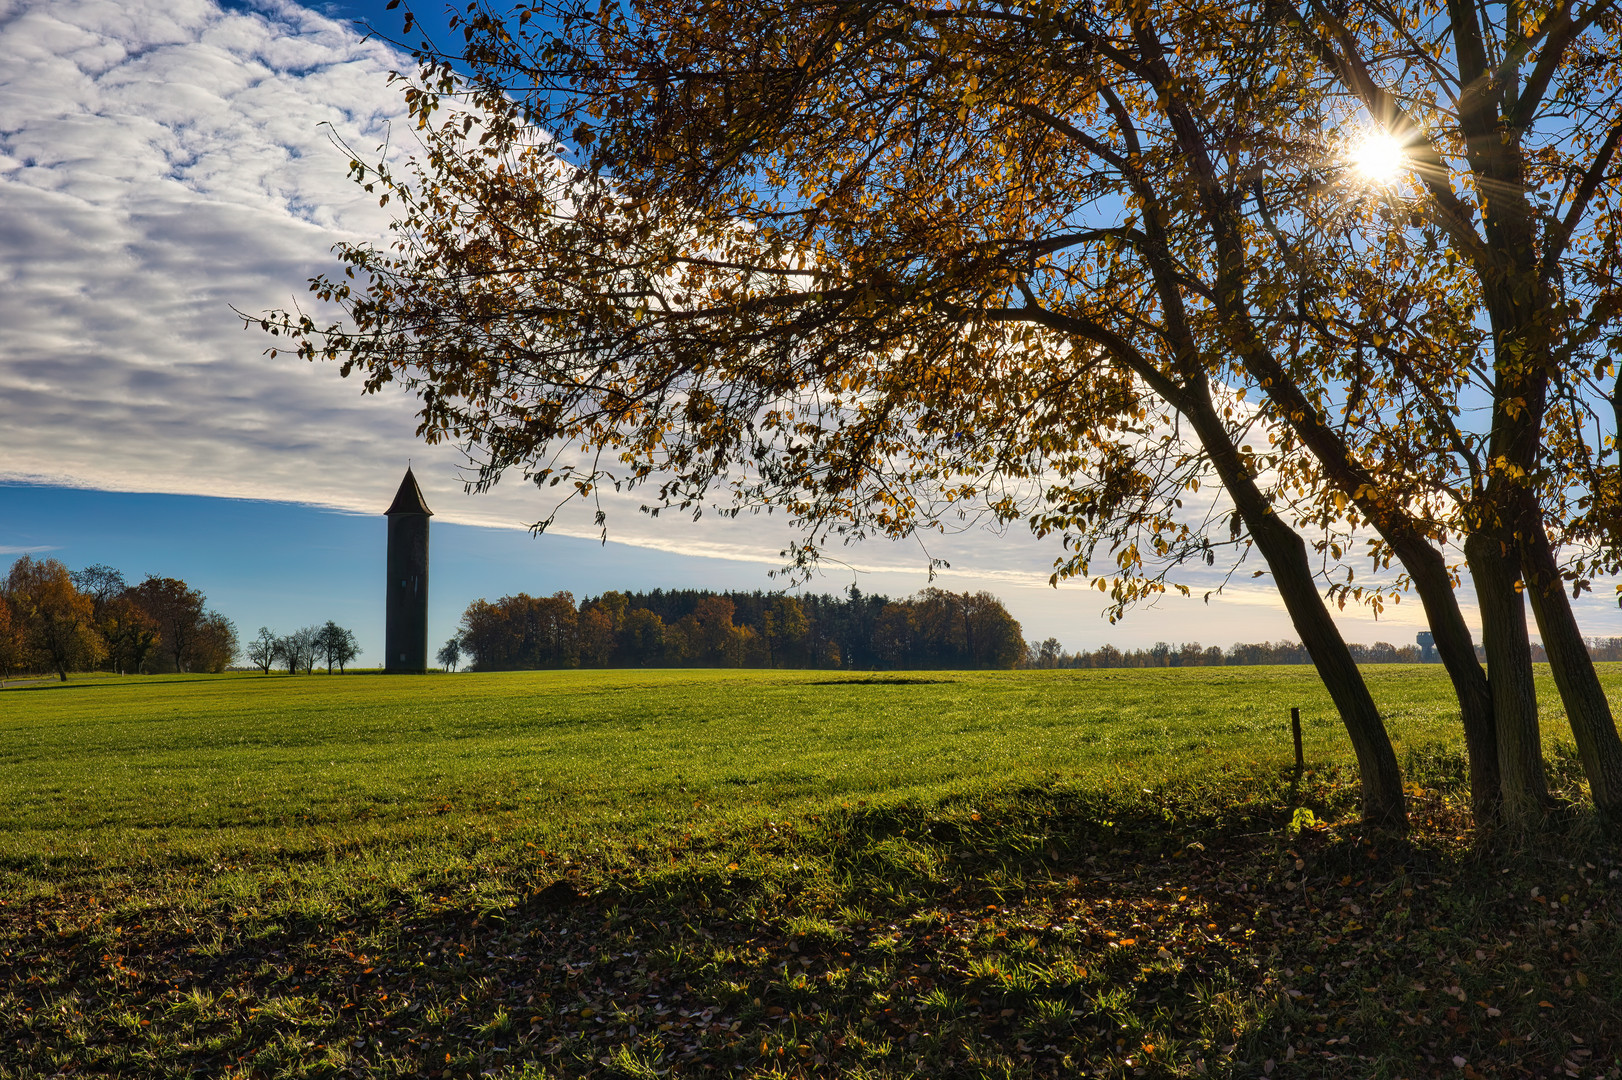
x: 10, y: 646
x: 57, y: 621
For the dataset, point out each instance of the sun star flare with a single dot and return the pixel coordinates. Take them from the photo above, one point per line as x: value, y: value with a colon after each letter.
x: 1378, y: 158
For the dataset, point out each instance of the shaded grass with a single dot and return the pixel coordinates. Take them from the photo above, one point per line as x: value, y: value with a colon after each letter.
x: 702, y: 873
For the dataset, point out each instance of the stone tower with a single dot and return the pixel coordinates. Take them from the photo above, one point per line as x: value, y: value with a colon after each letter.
x: 405, y: 633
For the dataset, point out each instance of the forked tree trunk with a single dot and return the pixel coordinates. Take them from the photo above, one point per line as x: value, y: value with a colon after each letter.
x: 1384, y: 805
x: 1495, y: 566
x: 1458, y: 654
x: 1423, y: 562
x: 1587, y: 707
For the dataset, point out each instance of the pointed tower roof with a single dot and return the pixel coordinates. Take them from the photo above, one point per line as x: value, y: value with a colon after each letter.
x: 408, y: 500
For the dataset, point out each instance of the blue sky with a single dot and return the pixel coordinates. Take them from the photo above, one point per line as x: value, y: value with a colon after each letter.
x: 162, y: 161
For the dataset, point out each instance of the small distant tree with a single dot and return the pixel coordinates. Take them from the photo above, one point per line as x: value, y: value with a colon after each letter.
x: 450, y: 653
x: 261, y: 651
x: 594, y: 632
x: 178, y: 610
x: 298, y: 650
x: 337, y: 645
x: 10, y: 645
x: 893, y: 636
x: 784, y: 631
x: 642, y: 637
x: 214, y: 647
x: 346, y: 650
x: 101, y: 583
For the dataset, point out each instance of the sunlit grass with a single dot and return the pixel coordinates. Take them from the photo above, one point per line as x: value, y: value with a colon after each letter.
x: 204, y: 765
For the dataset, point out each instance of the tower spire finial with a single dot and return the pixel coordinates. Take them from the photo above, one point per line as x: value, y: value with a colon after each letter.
x: 408, y: 500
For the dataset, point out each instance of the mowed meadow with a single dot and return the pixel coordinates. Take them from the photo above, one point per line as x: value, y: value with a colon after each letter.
x: 179, y: 763
x: 766, y: 873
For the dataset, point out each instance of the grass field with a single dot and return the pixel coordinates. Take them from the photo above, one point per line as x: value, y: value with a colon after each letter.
x: 703, y: 873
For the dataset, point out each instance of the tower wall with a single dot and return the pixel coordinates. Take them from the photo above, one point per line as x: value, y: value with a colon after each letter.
x: 406, y: 613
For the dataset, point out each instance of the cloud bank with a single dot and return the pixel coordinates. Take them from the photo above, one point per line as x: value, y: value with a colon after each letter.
x: 160, y: 162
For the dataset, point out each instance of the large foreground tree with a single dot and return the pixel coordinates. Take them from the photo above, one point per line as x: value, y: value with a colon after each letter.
x: 1502, y: 126
x: 888, y: 266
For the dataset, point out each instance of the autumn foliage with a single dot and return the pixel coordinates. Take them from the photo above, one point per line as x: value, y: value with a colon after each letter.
x: 54, y: 619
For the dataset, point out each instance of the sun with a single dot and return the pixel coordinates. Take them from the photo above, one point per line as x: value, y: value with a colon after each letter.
x: 1378, y: 158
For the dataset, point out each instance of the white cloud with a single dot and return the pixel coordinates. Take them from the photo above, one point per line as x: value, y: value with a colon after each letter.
x: 158, y: 163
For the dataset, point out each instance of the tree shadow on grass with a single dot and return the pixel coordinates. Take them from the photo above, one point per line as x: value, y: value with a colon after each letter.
x: 1030, y: 936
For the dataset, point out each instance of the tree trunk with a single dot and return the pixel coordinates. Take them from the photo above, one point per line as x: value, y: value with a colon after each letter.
x: 1587, y: 707
x: 1458, y: 654
x: 1384, y: 805
x: 1495, y: 566
x: 1425, y: 566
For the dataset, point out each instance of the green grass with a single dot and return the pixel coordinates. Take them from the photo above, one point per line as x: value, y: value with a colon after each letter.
x: 772, y: 873
x: 145, y: 764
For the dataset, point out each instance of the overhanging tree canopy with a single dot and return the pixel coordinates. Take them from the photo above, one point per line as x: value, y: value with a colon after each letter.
x: 880, y: 263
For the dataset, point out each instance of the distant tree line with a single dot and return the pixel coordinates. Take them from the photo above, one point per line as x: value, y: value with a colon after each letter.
x: 1050, y: 654
x: 696, y: 628
x: 302, y: 650
x: 57, y: 620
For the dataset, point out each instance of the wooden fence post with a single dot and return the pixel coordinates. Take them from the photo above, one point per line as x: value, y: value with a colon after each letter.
x: 1295, y: 732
